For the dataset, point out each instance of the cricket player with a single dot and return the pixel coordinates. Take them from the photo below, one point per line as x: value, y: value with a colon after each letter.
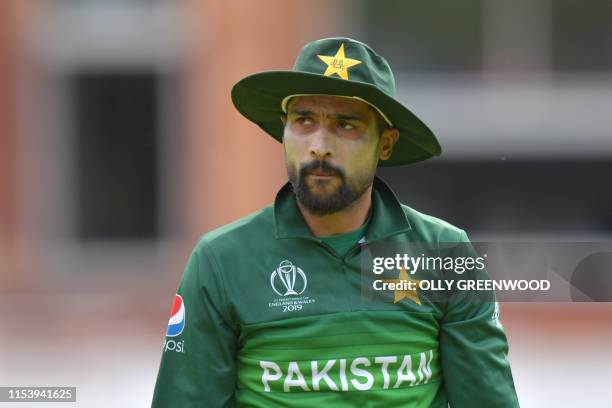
x: 270, y: 312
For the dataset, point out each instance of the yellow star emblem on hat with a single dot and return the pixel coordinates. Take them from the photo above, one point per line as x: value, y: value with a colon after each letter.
x: 338, y: 64
x: 406, y: 293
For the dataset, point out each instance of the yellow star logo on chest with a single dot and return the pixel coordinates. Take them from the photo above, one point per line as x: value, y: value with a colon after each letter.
x: 405, y: 293
x: 338, y: 64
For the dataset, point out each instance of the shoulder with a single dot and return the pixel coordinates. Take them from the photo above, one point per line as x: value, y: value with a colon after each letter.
x: 257, y: 225
x: 432, y: 229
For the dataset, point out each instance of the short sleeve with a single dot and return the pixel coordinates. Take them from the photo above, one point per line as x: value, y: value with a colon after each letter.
x: 474, y: 353
x: 198, y: 365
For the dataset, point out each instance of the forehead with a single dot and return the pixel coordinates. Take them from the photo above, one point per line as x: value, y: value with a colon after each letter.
x: 329, y: 104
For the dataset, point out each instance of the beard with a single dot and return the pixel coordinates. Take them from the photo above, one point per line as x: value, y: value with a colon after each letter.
x: 324, y: 204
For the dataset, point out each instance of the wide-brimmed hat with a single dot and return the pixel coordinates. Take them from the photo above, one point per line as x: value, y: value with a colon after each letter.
x: 340, y: 67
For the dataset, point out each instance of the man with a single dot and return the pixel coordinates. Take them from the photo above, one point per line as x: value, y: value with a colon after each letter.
x: 270, y: 310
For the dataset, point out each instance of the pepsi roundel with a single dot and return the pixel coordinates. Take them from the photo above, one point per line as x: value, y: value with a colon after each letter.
x: 176, y: 324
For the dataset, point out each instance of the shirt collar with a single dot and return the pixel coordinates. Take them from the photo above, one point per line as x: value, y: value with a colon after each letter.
x: 388, y: 217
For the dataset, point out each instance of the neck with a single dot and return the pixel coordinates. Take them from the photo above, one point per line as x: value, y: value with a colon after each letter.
x: 346, y: 220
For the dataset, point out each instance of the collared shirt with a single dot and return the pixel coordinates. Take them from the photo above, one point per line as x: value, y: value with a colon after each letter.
x: 341, y: 243
x: 269, y: 315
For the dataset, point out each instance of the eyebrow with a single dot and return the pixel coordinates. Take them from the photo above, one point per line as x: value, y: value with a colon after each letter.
x: 340, y: 116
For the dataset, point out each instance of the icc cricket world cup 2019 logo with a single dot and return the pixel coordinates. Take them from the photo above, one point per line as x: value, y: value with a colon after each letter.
x: 289, y: 277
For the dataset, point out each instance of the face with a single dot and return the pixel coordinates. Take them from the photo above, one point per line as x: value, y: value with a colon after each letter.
x: 332, y: 147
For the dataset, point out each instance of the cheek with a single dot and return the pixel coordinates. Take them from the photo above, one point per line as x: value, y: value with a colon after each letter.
x: 290, y: 150
x: 361, y: 157
x: 295, y: 146
x: 292, y: 154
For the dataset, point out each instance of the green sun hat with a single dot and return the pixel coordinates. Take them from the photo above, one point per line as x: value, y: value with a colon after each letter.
x: 339, y: 67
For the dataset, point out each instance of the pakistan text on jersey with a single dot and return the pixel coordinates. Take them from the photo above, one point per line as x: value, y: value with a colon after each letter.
x: 357, y: 374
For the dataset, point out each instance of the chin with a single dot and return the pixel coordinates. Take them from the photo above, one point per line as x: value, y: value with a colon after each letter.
x: 322, y: 190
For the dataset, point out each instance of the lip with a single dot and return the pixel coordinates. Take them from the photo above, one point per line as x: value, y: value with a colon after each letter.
x: 321, y: 174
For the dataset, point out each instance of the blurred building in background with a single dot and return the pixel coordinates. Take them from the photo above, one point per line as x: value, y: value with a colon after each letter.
x: 119, y: 147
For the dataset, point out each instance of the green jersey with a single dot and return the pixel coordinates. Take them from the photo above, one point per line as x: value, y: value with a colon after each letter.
x: 268, y: 315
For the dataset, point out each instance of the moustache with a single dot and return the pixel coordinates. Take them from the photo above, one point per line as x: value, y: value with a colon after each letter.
x: 321, y: 166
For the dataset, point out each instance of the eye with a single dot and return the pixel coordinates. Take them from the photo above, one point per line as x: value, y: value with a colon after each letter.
x: 303, y: 120
x: 345, y: 125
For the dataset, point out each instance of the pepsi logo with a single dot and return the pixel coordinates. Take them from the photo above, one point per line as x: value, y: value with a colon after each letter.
x: 176, y: 324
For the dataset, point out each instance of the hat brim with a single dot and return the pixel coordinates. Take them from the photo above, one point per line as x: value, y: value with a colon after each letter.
x: 258, y: 97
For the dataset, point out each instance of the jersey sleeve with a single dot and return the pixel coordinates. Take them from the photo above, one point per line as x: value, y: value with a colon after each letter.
x: 474, y: 352
x: 198, y: 366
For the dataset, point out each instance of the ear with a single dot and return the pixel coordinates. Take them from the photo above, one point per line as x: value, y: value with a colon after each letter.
x: 283, y: 118
x: 388, y: 138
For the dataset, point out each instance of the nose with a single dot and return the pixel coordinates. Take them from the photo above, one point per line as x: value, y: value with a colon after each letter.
x: 321, y: 144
